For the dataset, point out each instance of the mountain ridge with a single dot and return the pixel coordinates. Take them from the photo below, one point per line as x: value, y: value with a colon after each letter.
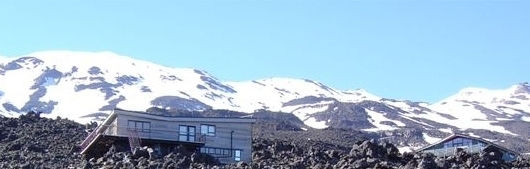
x: 106, y: 54
x: 91, y: 84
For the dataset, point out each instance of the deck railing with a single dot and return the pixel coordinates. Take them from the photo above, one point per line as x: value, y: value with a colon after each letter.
x: 134, y: 140
x: 89, y: 138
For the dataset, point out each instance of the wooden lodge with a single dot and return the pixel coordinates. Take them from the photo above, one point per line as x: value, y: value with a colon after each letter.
x: 227, y: 139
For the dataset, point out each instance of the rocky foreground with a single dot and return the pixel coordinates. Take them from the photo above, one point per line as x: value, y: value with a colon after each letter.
x: 34, y: 142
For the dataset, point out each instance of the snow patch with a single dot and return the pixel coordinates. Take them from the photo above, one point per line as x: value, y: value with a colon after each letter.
x: 18, y: 93
x: 503, y: 119
x: 8, y: 114
x: 473, y: 135
x: 304, y: 111
x: 376, y: 118
x: 510, y: 111
x: 312, y: 122
x: 3, y: 59
x: 525, y: 118
x: 429, y: 139
x: 402, y: 105
x: 446, y: 130
x: 490, y: 140
x: 405, y: 149
x: 467, y: 117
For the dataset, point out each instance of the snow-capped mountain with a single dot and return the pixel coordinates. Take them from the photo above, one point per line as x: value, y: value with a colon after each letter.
x: 84, y: 86
x: 81, y: 85
x: 479, y: 107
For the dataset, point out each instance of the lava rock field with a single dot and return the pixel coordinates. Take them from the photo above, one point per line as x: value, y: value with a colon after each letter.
x: 31, y: 141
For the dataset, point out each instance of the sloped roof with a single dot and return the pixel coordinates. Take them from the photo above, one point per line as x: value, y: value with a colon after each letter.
x: 469, y: 137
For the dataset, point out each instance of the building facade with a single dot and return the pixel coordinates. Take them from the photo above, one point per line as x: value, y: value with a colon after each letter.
x: 449, y: 145
x: 227, y: 139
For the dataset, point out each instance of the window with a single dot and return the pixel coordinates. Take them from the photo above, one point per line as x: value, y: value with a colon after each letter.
x: 215, y: 151
x: 186, y: 133
x: 140, y: 126
x: 448, y: 144
x: 157, y: 148
x: 208, y: 130
x: 467, y: 142
x: 457, y: 142
x: 237, y: 155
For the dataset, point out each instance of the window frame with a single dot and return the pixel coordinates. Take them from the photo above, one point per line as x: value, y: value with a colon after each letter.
x: 217, y: 151
x: 448, y: 144
x: 148, y: 128
x: 237, y: 155
x: 187, y: 133
x: 206, y: 130
x: 467, y: 142
x: 139, y: 126
x: 458, y: 142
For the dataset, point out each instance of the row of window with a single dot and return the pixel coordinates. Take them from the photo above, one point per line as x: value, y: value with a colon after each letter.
x: 215, y: 151
x: 221, y: 151
x: 140, y: 126
x: 458, y: 142
x: 187, y: 133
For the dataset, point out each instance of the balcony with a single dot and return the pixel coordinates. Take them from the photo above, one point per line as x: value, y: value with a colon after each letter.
x: 150, y: 134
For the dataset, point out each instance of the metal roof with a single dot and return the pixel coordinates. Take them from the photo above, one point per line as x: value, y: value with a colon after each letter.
x: 469, y: 137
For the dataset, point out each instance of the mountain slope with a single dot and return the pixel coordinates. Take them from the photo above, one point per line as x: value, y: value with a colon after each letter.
x: 57, y: 82
x: 86, y: 86
x: 474, y: 105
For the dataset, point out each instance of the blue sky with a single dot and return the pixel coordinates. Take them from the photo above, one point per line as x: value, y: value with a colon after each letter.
x: 418, y: 50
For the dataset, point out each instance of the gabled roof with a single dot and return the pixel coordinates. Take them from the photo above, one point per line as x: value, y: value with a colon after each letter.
x: 469, y: 137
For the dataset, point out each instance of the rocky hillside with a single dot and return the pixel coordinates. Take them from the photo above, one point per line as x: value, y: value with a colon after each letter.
x: 35, y: 142
x: 86, y: 86
x: 31, y: 142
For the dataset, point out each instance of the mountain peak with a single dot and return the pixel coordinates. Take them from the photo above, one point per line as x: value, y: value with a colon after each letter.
x: 73, y: 53
x: 59, y: 56
x: 484, y: 95
x: 3, y: 59
x: 523, y: 87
